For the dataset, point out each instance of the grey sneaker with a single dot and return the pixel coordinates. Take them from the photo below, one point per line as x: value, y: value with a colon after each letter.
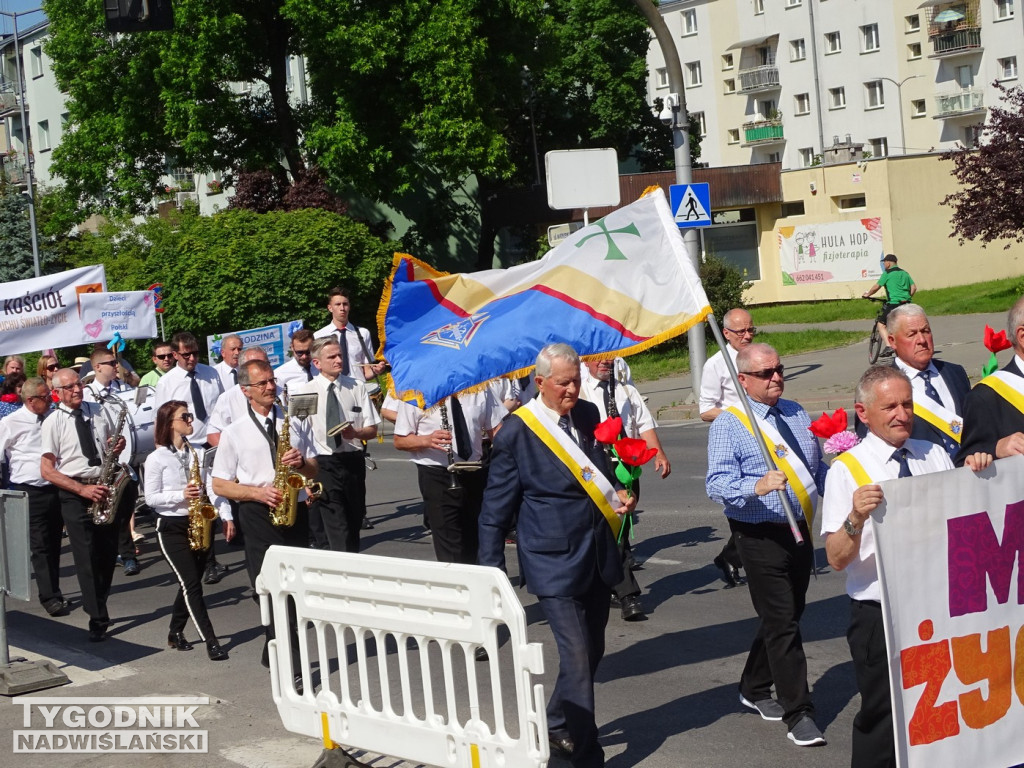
x: 806, y: 734
x: 768, y: 709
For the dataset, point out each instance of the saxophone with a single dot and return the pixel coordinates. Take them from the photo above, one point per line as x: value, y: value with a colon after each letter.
x: 113, y: 477
x: 287, y: 481
x: 201, y: 513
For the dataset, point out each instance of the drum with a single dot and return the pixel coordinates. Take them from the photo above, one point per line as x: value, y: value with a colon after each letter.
x: 138, y: 427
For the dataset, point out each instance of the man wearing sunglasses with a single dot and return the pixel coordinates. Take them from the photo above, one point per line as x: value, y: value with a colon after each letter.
x: 197, y: 384
x: 299, y: 369
x: 163, y: 361
x: 778, y: 568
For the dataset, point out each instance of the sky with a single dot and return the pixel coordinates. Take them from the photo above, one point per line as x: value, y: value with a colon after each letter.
x: 18, y: 6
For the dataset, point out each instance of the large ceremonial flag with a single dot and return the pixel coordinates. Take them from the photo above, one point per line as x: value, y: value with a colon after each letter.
x: 620, y: 285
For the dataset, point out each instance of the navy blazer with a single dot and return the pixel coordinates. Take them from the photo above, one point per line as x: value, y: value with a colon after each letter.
x: 988, y: 418
x: 562, y: 539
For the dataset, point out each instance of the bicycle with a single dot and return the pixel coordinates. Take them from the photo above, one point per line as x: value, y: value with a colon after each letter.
x: 877, y: 346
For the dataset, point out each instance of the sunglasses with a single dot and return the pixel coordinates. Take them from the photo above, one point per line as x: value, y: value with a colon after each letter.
x: 766, y: 373
x: 53, y: 367
x: 168, y: 356
x: 188, y: 418
x: 193, y: 353
x: 111, y: 363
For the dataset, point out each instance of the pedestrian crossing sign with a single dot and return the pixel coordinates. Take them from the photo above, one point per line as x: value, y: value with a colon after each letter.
x: 691, y: 204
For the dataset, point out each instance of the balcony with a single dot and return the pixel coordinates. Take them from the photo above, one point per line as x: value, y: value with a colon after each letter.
x: 8, y: 100
x: 970, y: 101
x: 761, y: 132
x: 959, y: 42
x: 13, y: 172
x: 757, y: 79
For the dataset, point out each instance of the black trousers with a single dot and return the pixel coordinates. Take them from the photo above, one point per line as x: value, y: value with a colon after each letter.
x: 729, y: 553
x: 44, y: 537
x: 94, y: 549
x: 453, y: 513
x: 578, y: 625
x: 342, y: 506
x: 125, y: 510
x: 874, y: 745
x: 187, y: 565
x: 778, y: 572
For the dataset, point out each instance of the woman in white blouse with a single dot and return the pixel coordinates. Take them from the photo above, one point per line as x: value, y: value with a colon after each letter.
x: 168, y: 491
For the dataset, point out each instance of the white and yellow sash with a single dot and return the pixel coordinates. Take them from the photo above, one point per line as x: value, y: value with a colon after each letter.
x: 592, y: 480
x: 939, y: 416
x: 862, y: 470
x: 798, y: 475
x: 1009, y: 386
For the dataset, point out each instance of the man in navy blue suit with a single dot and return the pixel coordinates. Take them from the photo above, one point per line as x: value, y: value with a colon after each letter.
x: 547, y: 467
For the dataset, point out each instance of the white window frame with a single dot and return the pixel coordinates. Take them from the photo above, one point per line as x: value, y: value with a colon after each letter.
x: 913, y: 51
x: 833, y: 43
x: 758, y: 7
x: 806, y: 157
x: 43, y: 132
x: 837, y: 98
x: 36, y: 59
x: 869, y: 39
x: 919, y: 108
x: 794, y: 3
x: 733, y: 135
x: 1007, y: 68
x: 805, y: 107
x: 661, y: 77
x: 728, y: 61
x: 729, y: 84
x: 882, y: 144
x: 1004, y: 10
x: 912, y: 23
x: 689, y: 22
x: 874, y: 95
x: 701, y: 121
x: 797, y: 49
x: 694, y: 75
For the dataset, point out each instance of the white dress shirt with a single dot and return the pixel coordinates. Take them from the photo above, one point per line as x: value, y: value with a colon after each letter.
x: 167, y: 473
x: 716, y: 387
x: 481, y: 410
x: 291, y: 375
x: 94, y: 392
x: 636, y: 418
x: 923, y: 458
x: 176, y: 385
x: 244, y: 453
x: 21, y: 443
x: 917, y: 384
x: 354, y: 406
x: 356, y: 356
x: 60, y: 438
x: 224, y: 371
x: 231, y: 406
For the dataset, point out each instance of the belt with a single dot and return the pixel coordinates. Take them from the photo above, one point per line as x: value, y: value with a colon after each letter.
x: 871, y: 603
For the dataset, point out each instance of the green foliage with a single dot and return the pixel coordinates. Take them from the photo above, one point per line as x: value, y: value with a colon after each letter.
x: 723, y: 284
x: 16, y: 237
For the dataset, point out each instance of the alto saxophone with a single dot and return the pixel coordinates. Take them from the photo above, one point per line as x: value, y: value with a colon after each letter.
x: 201, y: 513
x: 287, y: 481
x: 113, y: 477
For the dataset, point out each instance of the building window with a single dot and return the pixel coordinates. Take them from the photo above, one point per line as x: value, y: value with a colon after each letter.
x: 698, y: 118
x: 972, y: 135
x: 730, y: 85
x: 912, y: 23
x: 879, y: 147
x: 807, y: 157
x: 874, y: 96
x: 802, y: 104
x: 662, y: 77
x: 758, y: 7
x: 797, y: 50
x: 1004, y: 9
x: 913, y: 51
x: 869, y: 38
x: 793, y: 3
x: 774, y: 157
x: 727, y: 61
x: 734, y: 135
x: 44, y: 135
x: 918, y: 108
x: 1008, y: 68
x: 36, y: 61
x: 693, y: 75
x: 795, y: 208
x: 837, y: 98
x: 833, y: 43
x: 689, y: 22
x: 734, y: 239
x: 848, y: 202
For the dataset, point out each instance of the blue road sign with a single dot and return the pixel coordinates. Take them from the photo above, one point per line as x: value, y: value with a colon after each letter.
x: 691, y: 204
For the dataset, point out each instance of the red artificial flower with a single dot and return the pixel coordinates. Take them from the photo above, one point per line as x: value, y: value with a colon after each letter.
x: 827, y: 426
x: 634, y: 452
x: 608, y: 431
x: 995, y: 342
x: 11, y: 398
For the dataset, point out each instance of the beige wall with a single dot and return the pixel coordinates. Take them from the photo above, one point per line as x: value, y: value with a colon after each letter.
x: 906, y: 193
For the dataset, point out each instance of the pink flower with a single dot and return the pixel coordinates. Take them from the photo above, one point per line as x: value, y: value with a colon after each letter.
x: 841, y: 441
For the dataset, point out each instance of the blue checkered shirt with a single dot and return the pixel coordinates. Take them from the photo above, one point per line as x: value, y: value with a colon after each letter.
x: 735, y: 464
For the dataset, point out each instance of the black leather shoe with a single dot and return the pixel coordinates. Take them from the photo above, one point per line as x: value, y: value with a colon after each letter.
x: 214, y: 572
x: 737, y: 576
x: 214, y: 651
x: 480, y: 654
x: 177, y: 640
x: 561, y: 746
x: 97, y: 635
x: 56, y: 606
x: 728, y: 572
x: 632, y: 610
x: 367, y: 525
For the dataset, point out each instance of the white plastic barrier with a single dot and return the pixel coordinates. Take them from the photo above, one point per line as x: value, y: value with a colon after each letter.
x: 389, y: 666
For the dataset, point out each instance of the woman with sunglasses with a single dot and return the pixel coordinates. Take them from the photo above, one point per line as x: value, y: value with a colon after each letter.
x: 45, y: 368
x: 168, y: 491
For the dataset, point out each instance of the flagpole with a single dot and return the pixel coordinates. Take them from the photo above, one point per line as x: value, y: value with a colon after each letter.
x: 761, y: 444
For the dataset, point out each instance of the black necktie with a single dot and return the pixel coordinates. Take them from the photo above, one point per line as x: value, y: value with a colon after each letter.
x: 563, y: 424
x: 309, y: 373
x: 948, y: 443
x: 900, y: 456
x: 197, y: 397
x: 234, y: 376
x: 333, y: 415
x: 610, y: 409
x: 85, y: 439
x: 788, y: 436
x: 272, y: 435
x: 463, y: 445
x: 343, y: 343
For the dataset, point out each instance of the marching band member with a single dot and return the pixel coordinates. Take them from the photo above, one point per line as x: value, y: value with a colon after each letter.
x: 197, y: 384
x: 299, y: 369
x: 355, y: 344
x: 169, y: 491
x: 233, y: 405
x: 227, y: 368
x: 75, y: 437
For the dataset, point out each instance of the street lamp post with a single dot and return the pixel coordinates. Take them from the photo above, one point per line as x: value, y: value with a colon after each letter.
x: 899, y: 106
x: 25, y: 135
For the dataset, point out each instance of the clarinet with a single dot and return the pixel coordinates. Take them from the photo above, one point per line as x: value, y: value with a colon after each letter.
x: 453, y: 478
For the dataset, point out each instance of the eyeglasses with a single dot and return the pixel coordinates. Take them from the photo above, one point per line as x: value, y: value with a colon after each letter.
x: 263, y: 383
x: 188, y: 418
x: 301, y: 352
x: 193, y: 353
x: 168, y: 356
x: 752, y: 330
x: 76, y: 385
x: 766, y: 373
x: 112, y: 363
x: 53, y: 367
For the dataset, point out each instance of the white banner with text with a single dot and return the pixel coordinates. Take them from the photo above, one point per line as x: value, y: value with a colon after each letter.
x: 132, y: 314
x: 831, y: 252
x: 44, y: 312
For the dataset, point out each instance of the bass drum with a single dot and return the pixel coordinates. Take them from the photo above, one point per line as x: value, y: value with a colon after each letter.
x: 138, y: 428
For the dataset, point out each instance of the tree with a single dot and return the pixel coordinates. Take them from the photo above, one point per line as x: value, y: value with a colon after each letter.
x: 990, y: 203
x: 16, y: 236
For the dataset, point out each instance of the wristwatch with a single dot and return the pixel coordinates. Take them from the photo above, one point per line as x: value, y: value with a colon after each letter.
x: 852, y: 529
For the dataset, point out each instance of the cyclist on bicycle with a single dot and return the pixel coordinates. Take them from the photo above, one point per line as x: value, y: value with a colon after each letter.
x: 899, y: 288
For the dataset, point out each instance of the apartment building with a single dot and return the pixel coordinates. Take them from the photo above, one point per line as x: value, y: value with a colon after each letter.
x: 786, y: 80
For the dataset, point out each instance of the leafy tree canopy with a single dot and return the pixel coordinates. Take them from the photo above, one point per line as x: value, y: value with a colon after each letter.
x: 16, y: 236
x: 990, y: 203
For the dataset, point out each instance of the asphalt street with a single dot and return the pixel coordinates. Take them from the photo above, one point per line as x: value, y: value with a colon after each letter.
x: 667, y: 692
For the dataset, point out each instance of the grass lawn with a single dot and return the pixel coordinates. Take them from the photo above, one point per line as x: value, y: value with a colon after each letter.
x: 993, y: 296
x: 666, y: 360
